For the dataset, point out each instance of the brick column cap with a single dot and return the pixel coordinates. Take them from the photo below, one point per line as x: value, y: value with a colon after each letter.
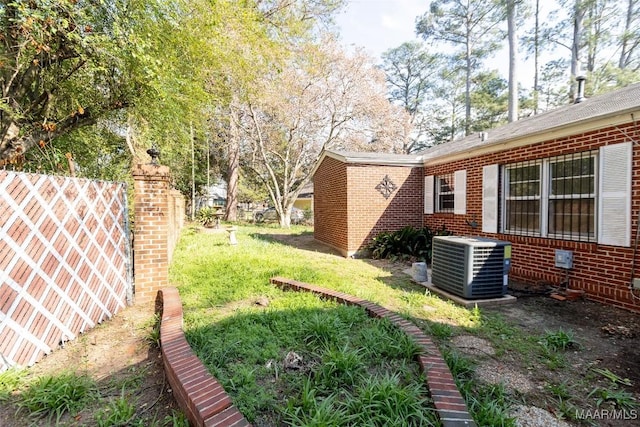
x: 149, y: 172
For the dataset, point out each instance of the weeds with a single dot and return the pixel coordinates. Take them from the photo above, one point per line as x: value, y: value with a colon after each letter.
x: 553, y: 360
x: 489, y: 405
x: 560, y: 390
x: 176, y: 419
x: 613, y: 395
x: 340, y: 368
x: 613, y: 378
x: 10, y: 381
x: 560, y: 340
x: 53, y: 396
x: 118, y: 412
x: 133, y: 379
x: 566, y: 410
x: 618, y: 398
x: 153, y: 337
x: 385, y: 401
x: 440, y: 331
x: 461, y: 367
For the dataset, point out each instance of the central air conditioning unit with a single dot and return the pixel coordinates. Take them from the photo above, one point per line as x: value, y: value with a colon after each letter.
x: 470, y: 267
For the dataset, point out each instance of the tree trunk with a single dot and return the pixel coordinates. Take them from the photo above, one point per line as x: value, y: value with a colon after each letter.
x: 624, y: 53
x: 536, y: 58
x: 285, y: 218
x: 578, y: 19
x: 467, y: 91
x: 513, y: 60
x: 233, y: 167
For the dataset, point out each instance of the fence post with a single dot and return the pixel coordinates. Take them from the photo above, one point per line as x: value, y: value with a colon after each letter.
x: 151, y: 231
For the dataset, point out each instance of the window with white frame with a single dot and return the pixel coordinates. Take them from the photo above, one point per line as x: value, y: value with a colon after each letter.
x: 522, y: 198
x: 553, y: 197
x: 572, y: 197
x: 444, y: 193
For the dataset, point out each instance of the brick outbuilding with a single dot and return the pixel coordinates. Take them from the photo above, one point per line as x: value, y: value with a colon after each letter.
x: 568, y: 179
x: 358, y: 195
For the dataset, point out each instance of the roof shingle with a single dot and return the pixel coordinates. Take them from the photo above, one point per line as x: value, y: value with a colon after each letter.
x: 615, y: 103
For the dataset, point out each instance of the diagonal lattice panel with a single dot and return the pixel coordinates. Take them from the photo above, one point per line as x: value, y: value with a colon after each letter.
x: 64, y: 261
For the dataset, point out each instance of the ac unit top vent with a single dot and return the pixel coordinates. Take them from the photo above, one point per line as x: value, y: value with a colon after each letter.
x: 473, y: 241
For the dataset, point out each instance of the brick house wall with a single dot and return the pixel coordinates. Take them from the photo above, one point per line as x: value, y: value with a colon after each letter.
x: 370, y: 213
x: 330, y: 212
x: 349, y: 210
x: 602, y: 271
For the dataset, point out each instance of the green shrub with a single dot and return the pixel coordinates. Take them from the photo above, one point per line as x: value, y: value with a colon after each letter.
x: 206, y: 216
x: 405, y: 243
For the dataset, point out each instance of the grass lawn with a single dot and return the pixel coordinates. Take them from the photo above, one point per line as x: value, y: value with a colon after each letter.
x: 348, y: 369
x: 290, y: 358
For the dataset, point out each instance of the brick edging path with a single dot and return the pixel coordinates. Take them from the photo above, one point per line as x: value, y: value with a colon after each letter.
x: 205, y: 402
x: 198, y: 393
x: 447, y: 399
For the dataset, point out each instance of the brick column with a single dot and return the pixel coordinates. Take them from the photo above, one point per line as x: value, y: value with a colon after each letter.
x: 151, y: 231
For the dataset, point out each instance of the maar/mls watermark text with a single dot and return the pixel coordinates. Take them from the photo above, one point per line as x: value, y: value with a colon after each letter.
x: 606, y: 414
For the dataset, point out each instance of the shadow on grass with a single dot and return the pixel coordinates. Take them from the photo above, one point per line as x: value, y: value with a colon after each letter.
x: 287, y: 364
x: 302, y: 240
x: 134, y: 395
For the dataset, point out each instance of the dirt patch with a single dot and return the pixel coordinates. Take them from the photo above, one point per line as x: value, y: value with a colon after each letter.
x: 469, y: 344
x: 119, y: 356
x: 591, y: 324
x: 607, y: 343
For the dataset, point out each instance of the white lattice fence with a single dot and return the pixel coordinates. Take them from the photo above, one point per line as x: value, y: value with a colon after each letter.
x: 64, y: 261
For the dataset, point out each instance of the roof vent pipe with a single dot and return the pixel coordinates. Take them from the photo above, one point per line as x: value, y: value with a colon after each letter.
x: 580, y: 95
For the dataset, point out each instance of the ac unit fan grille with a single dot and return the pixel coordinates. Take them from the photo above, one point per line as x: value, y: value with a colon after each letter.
x: 450, y: 274
x: 488, y: 272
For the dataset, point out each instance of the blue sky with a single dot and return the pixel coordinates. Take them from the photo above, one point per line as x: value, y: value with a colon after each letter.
x: 378, y: 25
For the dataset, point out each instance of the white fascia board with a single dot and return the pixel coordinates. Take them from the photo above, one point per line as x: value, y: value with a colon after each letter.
x: 383, y: 160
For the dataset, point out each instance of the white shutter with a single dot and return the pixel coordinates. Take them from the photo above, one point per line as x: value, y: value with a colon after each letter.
x: 614, y: 191
x: 490, y: 199
x: 428, y: 194
x: 460, y: 192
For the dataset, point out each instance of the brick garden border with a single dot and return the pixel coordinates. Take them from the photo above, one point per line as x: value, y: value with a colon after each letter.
x: 447, y: 399
x: 198, y: 393
x: 205, y: 402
